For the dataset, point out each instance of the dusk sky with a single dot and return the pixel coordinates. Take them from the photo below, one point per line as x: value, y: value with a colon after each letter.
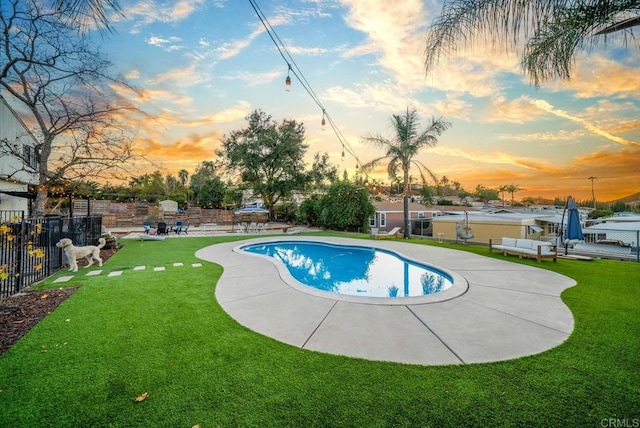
x: 204, y: 65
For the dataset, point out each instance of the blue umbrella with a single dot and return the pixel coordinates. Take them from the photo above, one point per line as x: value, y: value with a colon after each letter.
x: 573, y: 229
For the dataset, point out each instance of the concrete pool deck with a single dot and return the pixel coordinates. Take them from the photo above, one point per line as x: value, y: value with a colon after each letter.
x: 510, y: 310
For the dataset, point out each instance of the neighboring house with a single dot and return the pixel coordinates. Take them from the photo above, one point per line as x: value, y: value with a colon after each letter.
x: 391, y: 214
x: 19, y: 161
x: 485, y: 226
x: 623, y: 227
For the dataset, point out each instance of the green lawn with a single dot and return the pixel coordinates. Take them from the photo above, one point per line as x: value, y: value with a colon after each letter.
x: 165, y: 334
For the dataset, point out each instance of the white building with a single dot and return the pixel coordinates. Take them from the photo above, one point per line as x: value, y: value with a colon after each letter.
x: 18, y: 160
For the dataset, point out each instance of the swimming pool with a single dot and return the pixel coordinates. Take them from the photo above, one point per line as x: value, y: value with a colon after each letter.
x: 354, y: 270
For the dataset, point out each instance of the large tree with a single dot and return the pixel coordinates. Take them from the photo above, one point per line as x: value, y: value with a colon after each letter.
x: 269, y: 157
x: 547, y: 33
x: 60, y: 81
x: 402, y: 148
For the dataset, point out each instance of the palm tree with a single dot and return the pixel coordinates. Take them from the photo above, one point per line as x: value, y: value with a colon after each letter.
x: 554, y: 30
x: 401, y: 149
x: 502, y: 189
x: 513, y: 188
x: 183, y: 176
x: 88, y: 12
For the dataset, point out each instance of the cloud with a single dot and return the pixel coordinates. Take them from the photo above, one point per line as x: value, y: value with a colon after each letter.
x: 309, y: 51
x: 133, y: 74
x: 180, y: 77
x: 493, y: 158
x: 546, y: 106
x: 256, y: 79
x: 503, y: 110
x: 230, y: 49
x: 168, y: 44
x: 588, y: 81
x: 229, y: 115
x: 385, y: 97
x: 360, y: 50
x: 396, y: 31
x: 551, y: 138
x: 147, y: 12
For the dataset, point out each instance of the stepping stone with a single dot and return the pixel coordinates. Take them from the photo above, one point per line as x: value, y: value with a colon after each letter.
x: 196, y: 264
x: 159, y: 268
x: 94, y: 273
x: 115, y: 273
x: 178, y: 264
x: 139, y: 268
x: 64, y: 279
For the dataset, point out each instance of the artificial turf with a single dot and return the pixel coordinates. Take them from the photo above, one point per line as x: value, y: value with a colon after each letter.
x: 164, y: 333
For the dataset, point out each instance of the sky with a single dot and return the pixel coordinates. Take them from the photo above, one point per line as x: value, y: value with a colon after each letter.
x: 204, y: 65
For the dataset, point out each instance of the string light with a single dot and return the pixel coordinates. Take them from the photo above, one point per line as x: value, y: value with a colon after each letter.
x: 295, y: 70
x: 323, y: 125
x: 287, y: 82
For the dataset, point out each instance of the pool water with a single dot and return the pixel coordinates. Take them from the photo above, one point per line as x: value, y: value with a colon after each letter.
x: 354, y: 270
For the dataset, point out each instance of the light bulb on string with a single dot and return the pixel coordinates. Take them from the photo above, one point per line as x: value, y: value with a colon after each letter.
x: 323, y: 125
x: 287, y: 81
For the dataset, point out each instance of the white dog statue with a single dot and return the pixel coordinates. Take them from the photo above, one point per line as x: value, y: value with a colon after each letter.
x: 90, y: 252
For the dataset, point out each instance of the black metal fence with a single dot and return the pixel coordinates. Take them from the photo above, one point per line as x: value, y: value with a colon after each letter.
x: 28, y: 251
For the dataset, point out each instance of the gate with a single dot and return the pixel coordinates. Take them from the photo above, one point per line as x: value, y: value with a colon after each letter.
x: 28, y: 251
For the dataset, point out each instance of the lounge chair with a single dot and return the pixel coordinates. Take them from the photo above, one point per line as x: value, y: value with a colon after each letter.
x: 393, y: 233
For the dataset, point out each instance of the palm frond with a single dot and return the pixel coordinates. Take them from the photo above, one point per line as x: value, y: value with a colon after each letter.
x: 91, y: 12
x: 554, y: 30
x: 367, y: 167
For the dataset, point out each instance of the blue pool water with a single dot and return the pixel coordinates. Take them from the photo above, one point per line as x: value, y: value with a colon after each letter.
x: 353, y: 270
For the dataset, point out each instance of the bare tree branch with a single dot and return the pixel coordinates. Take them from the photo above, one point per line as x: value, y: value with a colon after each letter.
x: 63, y: 81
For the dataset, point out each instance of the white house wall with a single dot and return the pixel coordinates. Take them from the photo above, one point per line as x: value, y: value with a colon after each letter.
x: 13, y: 130
x: 13, y: 203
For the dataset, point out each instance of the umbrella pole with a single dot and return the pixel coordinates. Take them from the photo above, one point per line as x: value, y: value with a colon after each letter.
x: 562, y: 231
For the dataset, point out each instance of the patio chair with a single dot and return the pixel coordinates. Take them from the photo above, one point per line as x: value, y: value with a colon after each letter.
x: 393, y: 233
x: 147, y: 227
x: 177, y: 228
x: 162, y: 228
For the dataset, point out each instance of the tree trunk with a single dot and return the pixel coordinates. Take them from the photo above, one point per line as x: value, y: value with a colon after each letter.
x: 405, y: 201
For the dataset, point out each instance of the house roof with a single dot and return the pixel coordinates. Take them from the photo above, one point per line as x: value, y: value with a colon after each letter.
x: 388, y: 206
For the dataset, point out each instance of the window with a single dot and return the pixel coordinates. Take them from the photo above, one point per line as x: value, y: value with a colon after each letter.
x: 26, y: 154
x: 383, y: 219
x: 30, y: 156
x: 372, y: 221
x: 421, y: 214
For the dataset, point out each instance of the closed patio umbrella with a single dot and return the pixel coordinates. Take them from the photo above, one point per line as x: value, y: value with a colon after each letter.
x: 573, y: 231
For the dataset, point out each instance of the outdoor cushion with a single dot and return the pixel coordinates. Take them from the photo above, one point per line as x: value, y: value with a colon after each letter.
x: 526, y: 244
x: 537, y: 244
x: 508, y: 242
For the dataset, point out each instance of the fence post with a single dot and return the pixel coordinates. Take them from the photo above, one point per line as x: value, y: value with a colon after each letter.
x: 20, y: 265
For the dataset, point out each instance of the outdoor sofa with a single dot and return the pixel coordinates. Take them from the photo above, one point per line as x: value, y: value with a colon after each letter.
x: 526, y: 248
